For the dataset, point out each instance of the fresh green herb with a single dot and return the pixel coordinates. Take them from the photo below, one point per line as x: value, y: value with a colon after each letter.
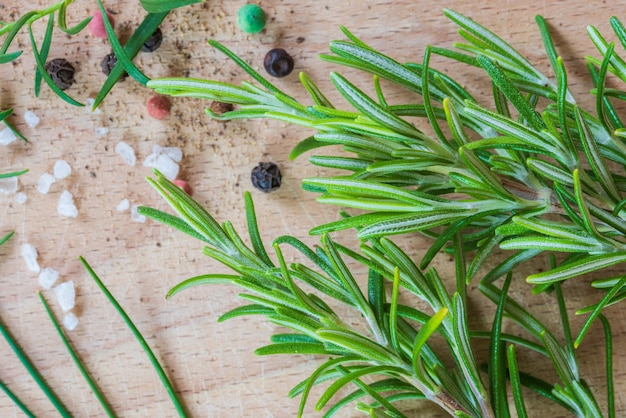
x: 395, y: 350
x: 504, y: 189
x: 540, y: 174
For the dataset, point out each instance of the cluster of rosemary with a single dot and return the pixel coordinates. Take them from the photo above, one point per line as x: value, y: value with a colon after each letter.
x: 539, y: 174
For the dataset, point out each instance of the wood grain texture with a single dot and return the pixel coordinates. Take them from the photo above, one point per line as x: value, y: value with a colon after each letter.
x: 212, y: 365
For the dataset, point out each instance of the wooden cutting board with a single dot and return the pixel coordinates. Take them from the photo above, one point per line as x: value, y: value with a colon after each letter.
x: 212, y: 365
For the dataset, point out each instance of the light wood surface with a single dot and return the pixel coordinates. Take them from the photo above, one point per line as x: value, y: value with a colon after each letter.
x: 212, y: 365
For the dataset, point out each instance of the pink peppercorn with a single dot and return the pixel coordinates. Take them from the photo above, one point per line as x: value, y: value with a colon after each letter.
x: 96, y: 25
x: 183, y: 185
x: 158, y: 106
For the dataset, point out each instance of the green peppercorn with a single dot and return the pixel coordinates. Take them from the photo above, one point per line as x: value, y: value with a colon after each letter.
x: 251, y: 18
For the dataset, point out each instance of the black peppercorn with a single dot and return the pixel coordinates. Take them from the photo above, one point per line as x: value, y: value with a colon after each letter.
x: 108, y: 63
x: 266, y: 177
x: 153, y: 42
x: 278, y: 63
x: 61, y: 72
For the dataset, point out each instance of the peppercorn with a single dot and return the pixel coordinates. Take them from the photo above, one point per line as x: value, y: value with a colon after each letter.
x: 278, y: 63
x: 221, y: 107
x: 158, y: 106
x: 266, y: 177
x: 183, y: 185
x: 61, y: 72
x: 251, y: 18
x: 153, y: 42
x: 108, y: 63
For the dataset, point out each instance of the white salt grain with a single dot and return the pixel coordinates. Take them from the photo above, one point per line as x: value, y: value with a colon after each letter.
x: 7, y: 136
x: 21, y: 198
x: 123, y: 205
x: 47, y: 277
x: 126, y: 152
x: 166, y: 166
x: 66, y: 205
x: 135, y: 215
x: 150, y: 160
x: 102, y: 131
x: 8, y: 185
x: 174, y: 153
x: 44, y: 183
x: 31, y: 119
x: 70, y: 321
x: 89, y: 104
x: 29, y: 253
x: 66, y: 295
x: 61, y: 169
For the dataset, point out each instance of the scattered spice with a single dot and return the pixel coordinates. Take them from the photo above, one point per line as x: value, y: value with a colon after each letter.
x: 278, y: 63
x: 158, y: 106
x: 221, y: 107
x: 96, y: 25
x: 251, y: 18
x: 61, y: 72
x: 108, y: 63
x: 266, y: 177
x: 183, y: 185
x: 153, y: 42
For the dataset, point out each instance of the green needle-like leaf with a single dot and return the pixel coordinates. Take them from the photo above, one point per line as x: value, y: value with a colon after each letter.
x: 160, y: 6
x: 34, y: 372
x: 129, y: 323
x: 147, y: 27
x: 94, y: 388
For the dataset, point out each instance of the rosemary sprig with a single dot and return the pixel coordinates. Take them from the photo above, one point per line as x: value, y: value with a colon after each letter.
x: 395, y: 350
x: 543, y: 175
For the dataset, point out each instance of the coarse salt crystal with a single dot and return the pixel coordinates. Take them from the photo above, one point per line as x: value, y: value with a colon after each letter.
x: 31, y: 119
x: 44, y: 183
x: 135, y: 215
x: 8, y: 185
x: 29, y: 252
x: 102, y: 131
x: 66, y: 295
x: 150, y: 160
x: 123, y: 205
x: 174, y: 153
x: 47, y: 277
x: 21, y: 198
x: 66, y: 205
x: 7, y: 136
x: 61, y: 169
x: 70, y: 321
x: 126, y: 152
x: 89, y: 101
x: 167, y: 166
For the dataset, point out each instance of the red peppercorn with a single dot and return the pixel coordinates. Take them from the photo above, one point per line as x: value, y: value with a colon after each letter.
x: 158, y: 106
x: 96, y: 25
x: 183, y: 185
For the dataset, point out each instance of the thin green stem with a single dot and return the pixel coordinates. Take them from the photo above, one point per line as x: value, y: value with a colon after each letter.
x: 16, y: 400
x: 76, y: 359
x: 32, y: 370
x: 129, y: 323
